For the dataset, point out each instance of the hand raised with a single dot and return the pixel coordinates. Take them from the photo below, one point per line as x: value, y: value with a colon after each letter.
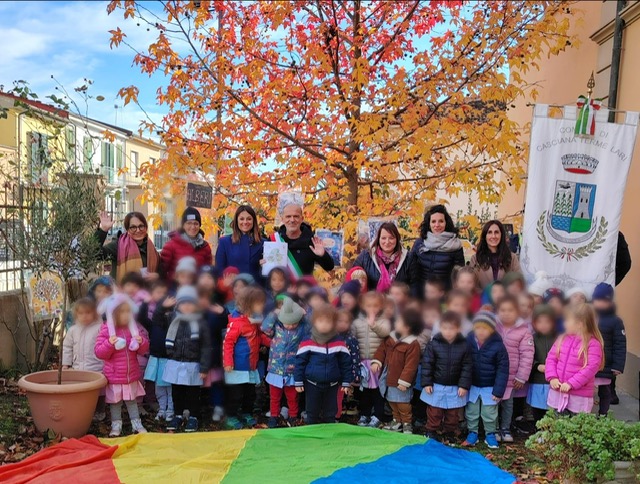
x: 317, y: 247
x: 106, y: 222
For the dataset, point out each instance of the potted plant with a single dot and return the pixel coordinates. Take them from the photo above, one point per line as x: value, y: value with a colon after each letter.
x: 587, y: 448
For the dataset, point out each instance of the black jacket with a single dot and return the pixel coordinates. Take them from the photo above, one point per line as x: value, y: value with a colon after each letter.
x: 447, y: 363
x: 300, y: 248
x: 615, y: 342
x: 542, y: 345
x: 160, y: 321
x: 430, y: 265
x: 193, y: 350
x: 370, y: 266
x: 217, y: 323
x: 490, y: 364
x: 623, y: 259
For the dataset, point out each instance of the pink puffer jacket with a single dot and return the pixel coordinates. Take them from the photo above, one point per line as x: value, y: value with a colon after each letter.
x: 569, y: 368
x: 120, y: 366
x: 519, y: 343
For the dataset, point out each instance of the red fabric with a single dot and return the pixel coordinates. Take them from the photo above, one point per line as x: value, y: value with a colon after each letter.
x: 84, y: 460
x: 177, y: 248
x: 120, y: 366
x: 275, y: 397
x: 340, y: 398
x: 240, y: 326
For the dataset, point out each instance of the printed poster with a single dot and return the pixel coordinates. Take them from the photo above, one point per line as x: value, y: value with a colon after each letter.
x: 333, y: 242
x: 275, y: 254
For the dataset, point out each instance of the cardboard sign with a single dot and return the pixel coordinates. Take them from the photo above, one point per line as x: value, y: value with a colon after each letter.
x: 200, y: 196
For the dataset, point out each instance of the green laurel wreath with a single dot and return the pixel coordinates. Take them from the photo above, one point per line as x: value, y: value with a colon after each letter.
x: 569, y: 253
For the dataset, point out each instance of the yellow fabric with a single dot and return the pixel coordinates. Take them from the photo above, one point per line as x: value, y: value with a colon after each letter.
x: 177, y: 458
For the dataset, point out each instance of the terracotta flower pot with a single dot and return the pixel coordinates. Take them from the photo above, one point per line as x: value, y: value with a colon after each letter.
x: 66, y: 409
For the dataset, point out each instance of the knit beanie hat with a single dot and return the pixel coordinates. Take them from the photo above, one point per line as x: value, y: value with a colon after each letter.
x: 485, y: 317
x: 549, y: 294
x: 212, y: 271
x: 350, y: 287
x: 540, y: 284
x: 543, y: 310
x: 186, y: 294
x: 290, y: 312
x: 106, y: 281
x: 318, y: 291
x: 511, y: 277
x: 577, y: 290
x: 246, y: 278
x: 357, y: 273
x: 603, y: 291
x: 230, y: 270
x: 191, y: 213
x: 109, y: 306
x: 187, y: 264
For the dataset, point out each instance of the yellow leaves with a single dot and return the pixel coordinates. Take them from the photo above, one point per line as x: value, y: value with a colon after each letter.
x: 129, y: 94
x: 117, y: 36
x: 109, y: 136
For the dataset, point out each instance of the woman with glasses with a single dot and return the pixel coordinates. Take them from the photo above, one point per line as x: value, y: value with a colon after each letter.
x: 131, y: 251
x: 186, y: 241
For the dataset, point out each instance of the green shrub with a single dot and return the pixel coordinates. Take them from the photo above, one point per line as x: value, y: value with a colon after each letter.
x: 583, y: 448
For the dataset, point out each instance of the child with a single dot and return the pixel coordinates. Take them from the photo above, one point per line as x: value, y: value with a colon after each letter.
x: 241, y: 282
x: 446, y: 377
x: 134, y: 287
x: 615, y: 344
x: 343, y: 326
x: 434, y: 290
x: 185, y: 273
x: 207, y: 279
x: 316, y: 297
x: 544, y: 325
x: 518, y: 340
x: 554, y: 297
x: 576, y: 296
x: 493, y: 293
x: 159, y: 323
x: 538, y: 287
x: 370, y: 328
x: 465, y: 279
x: 357, y: 273
x: 277, y: 283
x: 573, y: 362
x: 458, y: 302
x: 525, y: 307
x: 303, y: 286
x: 400, y: 293
x: 390, y: 310
x: 489, y: 381
x: 79, y: 343
x: 431, y: 313
x: 188, y: 345
x: 513, y: 283
x: 118, y: 346
x: 323, y: 367
x: 399, y: 356
x: 240, y: 352
x: 287, y: 329
x: 348, y: 297
x: 101, y: 289
x: 226, y: 283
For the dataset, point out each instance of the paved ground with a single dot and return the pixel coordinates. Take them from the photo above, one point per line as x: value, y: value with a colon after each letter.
x: 628, y: 408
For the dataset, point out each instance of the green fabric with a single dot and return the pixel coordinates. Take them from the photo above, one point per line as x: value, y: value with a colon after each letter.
x: 303, y: 454
x: 488, y: 413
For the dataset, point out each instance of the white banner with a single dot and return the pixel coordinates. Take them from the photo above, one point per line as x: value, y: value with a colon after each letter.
x: 574, y: 198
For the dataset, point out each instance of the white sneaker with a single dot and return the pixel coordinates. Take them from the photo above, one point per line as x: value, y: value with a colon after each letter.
x: 364, y: 421
x: 407, y: 428
x: 161, y: 415
x: 218, y: 414
x: 284, y: 411
x: 374, y: 422
x: 169, y: 416
x: 99, y: 416
x: 393, y: 426
x: 116, y: 428
x: 137, y: 427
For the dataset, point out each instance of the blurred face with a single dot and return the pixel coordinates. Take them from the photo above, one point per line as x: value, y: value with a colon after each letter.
x: 245, y: 222
x: 315, y: 301
x: 466, y: 282
x: 493, y: 237
x: 497, y: 293
x: 544, y: 325
x: 389, y: 310
x: 459, y: 305
x: 371, y: 307
x: 557, y: 305
x: 122, y: 315
x: 508, y: 314
x: 398, y: 296
x: 184, y: 278
x: 572, y: 325
x: 303, y: 291
x: 203, y: 302
x: 102, y: 292
x: 433, y: 292
x: 323, y: 325
x: 130, y: 289
x: 137, y: 229
x: 188, y: 308
x: 437, y: 223
x: 387, y: 242
x: 344, y: 323
x: 238, y: 286
x: 515, y: 288
x: 602, y: 304
x: 401, y: 328
x: 525, y: 306
x: 206, y: 281
x: 191, y: 227
x: 482, y: 332
x: 347, y: 301
x: 577, y: 299
x: 430, y: 317
x: 449, y: 331
x: 361, y: 277
x: 277, y: 282
x: 537, y: 300
x: 258, y: 308
x: 85, y: 316
x: 158, y: 293
x: 292, y: 218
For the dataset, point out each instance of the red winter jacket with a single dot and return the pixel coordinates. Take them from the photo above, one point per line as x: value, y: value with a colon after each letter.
x: 177, y: 248
x: 241, y: 346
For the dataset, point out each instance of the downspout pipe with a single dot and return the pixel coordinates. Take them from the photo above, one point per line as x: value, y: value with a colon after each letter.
x: 616, y: 57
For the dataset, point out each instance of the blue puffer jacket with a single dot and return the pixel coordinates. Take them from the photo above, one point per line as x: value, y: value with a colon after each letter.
x: 245, y: 255
x: 323, y: 363
x: 429, y: 265
x: 490, y: 364
x: 615, y: 342
x: 284, y: 344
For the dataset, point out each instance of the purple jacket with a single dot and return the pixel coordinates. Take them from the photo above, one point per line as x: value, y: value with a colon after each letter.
x: 569, y: 368
x: 120, y: 366
x: 519, y: 343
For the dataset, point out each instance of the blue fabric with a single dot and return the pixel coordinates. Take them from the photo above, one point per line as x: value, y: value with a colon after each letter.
x: 443, y: 396
x: 484, y: 394
x: 241, y: 352
x: 182, y: 373
x: 537, y: 395
x: 245, y: 255
x: 154, y: 371
x: 235, y: 377
x: 413, y: 463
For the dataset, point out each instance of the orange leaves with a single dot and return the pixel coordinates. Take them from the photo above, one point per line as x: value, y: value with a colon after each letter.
x: 129, y: 94
x: 117, y: 36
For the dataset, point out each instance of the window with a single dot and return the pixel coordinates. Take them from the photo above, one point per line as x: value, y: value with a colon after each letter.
x: 108, y: 161
x: 87, y: 154
x: 134, y: 164
x: 71, y: 144
x: 39, y: 156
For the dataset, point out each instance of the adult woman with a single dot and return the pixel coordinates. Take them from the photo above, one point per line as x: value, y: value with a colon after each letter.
x: 187, y: 241
x: 243, y: 248
x: 131, y: 251
x: 436, y: 252
x: 493, y: 259
x: 386, y: 261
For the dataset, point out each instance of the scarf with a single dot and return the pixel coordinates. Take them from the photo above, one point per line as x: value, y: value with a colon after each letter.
x: 129, y: 258
x: 194, y: 328
x: 196, y: 242
x: 322, y: 338
x: 444, y: 242
x: 386, y: 275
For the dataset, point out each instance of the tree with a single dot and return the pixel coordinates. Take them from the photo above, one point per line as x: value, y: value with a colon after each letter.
x: 368, y: 107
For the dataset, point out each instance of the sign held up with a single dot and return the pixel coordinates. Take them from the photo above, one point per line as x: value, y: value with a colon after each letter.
x: 200, y: 196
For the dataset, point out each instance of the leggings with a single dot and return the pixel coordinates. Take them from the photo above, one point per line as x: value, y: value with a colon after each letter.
x: 216, y: 394
x: 275, y: 395
x: 371, y: 399
x: 132, y: 409
x: 241, y: 398
x: 604, y: 394
x: 165, y: 401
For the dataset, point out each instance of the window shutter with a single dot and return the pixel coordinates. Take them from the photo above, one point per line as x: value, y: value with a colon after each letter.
x: 71, y: 144
x: 87, y: 153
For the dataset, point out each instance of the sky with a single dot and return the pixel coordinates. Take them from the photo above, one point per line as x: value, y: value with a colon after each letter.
x: 70, y: 40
